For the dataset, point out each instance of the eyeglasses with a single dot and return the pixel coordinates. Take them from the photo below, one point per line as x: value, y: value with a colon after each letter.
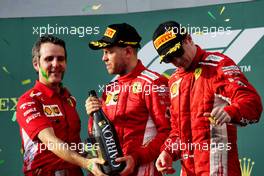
x: 169, y: 57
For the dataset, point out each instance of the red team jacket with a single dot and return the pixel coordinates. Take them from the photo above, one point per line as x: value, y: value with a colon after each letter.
x: 136, y: 104
x: 213, y: 80
x: 40, y: 108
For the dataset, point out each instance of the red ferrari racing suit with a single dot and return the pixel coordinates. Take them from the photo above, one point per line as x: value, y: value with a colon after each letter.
x: 212, y: 80
x: 41, y: 108
x: 136, y: 104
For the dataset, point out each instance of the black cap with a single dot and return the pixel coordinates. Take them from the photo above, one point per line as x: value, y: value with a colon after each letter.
x: 167, y: 39
x: 117, y: 34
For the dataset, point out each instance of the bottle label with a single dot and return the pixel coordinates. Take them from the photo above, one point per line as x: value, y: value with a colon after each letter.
x: 110, y: 143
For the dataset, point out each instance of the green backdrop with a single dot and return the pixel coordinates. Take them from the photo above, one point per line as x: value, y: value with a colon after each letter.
x: 86, y: 70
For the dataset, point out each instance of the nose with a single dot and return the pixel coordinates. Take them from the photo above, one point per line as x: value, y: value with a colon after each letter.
x: 104, y: 58
x: 177, y: 61
x: 55, y: 62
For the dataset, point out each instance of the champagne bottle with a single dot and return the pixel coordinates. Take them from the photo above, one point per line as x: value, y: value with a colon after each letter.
x: 105, y: 134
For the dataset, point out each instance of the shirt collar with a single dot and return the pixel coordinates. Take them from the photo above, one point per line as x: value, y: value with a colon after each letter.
x: 48, y: 91
x: 134, y: 73
x: 197, y: 58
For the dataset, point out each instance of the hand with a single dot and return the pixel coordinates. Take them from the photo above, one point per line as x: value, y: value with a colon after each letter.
x: 92, y: 166
x: 218, y: 116
x: 130, y: 164
x: 92, y: 104
x: 164, y: 163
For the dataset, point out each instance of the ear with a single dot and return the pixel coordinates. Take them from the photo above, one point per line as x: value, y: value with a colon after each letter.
x: 35, y: 65
x: 129, y: 51
x: 189, y: 38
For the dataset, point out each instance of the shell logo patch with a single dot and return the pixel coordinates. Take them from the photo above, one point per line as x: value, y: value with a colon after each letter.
x: 137, y: 87
x: 52, y: 110
x: 109, y: 32
x: 197, y: 73
x: 174, y: 89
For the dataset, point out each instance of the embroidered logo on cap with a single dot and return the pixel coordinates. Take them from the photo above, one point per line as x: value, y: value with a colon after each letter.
x: 164, y: 38
x: 109, y: 32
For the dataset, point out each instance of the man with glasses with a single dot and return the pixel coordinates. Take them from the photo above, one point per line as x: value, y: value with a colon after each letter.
x: 210, y: 96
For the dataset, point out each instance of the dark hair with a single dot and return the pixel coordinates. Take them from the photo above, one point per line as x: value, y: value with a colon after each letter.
x: 46, y: 39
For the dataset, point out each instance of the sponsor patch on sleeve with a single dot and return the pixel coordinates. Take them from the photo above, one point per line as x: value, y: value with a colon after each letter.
x: 231, y: 70
x: 24, y: 105
x: 214, y: 58
x: 31, y: 110
x: 32, y: 116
